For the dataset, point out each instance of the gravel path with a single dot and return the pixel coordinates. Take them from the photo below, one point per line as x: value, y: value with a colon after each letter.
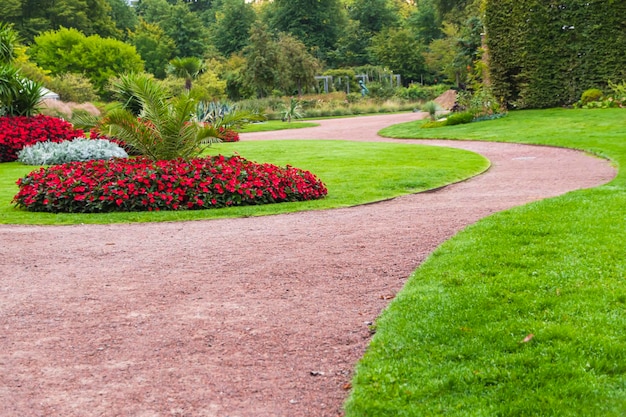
x: 238, y: 317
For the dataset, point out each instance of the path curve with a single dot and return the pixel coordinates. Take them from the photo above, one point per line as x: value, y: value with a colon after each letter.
x: 236, y: 317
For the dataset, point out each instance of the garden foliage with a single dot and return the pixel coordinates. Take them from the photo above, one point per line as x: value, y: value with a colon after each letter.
x: 145, y: 185
x: 81, y: 149
x: 16, y: 132
x: 546, y: 53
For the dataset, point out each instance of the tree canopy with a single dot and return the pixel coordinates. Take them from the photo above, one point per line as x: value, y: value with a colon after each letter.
x: 70, y: 51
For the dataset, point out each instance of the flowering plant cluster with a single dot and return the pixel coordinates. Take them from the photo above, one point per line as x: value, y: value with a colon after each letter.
x: 145, y: 185
x: 228, y: 135
x: 16, y: 132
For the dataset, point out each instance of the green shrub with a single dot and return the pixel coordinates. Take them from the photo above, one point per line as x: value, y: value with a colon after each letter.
x: 592, y: 94
x: 81, y: 149
x: 459, y: 118
x: 380, y: 90
x: 433, y: 123
x: 73, y: 87
x: 418, y: 92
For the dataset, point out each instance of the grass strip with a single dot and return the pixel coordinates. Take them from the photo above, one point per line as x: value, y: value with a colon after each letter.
x: 271, y: 125
x: 354, y: 173
x: 521, y: 314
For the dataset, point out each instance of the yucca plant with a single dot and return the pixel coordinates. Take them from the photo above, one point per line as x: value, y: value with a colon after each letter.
x: 163, y: 129
x: 19, y: 96
x: 292, y: 111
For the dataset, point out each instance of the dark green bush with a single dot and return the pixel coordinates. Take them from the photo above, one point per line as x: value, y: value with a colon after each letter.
x: 545, y: 53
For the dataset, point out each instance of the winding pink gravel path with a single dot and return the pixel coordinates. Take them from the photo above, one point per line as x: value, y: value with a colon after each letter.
x: 239, y: 317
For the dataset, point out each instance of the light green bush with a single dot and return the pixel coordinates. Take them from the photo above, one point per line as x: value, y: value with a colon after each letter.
x: 81, y: 149
x: 592, y: 94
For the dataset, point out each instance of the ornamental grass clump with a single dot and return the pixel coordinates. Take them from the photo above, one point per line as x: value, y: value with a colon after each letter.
x: 81, y: 149
x: 145, y: 185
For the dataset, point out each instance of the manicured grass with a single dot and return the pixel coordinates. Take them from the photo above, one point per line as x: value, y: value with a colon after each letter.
x: 457, y: 340
x: 275, y: 125
x: 354, y: 173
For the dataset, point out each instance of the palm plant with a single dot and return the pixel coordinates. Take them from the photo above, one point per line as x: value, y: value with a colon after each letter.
x: 188, y: 68
x: 292, y: 111
x: 163, y: 128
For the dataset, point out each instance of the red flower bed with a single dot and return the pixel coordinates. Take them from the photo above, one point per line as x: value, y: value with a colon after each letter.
x: 16, y: 132
x: 228, y: 135
x: 142, y: 184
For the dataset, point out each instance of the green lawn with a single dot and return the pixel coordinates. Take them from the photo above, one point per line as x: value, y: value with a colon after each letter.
x: 275, y: 125
x: 456, y: 342
x: 354, y: 173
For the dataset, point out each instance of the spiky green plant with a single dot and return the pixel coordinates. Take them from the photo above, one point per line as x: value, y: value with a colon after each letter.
x: 123, y: 90
x: 431, y: 108
x: 219, y: 114
x: 8, y: 40
x: 292, y: 111
x: 188, y: 68
x: 19, y: 96
x: 163, y: 129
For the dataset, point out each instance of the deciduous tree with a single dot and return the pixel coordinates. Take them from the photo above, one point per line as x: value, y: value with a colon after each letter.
x: 233, y: 20
x: 154, y: 46
x: 317, y: 23
x: 68, y: 50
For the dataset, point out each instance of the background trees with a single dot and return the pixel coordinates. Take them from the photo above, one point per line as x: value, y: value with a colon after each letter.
x: 31, y: 17
x: 317, y: 24
x: 425, y: 41
x: 233, y: 20
x: 70, y: 51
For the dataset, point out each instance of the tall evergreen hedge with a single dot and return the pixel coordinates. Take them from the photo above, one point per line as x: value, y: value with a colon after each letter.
x: 545, y: 53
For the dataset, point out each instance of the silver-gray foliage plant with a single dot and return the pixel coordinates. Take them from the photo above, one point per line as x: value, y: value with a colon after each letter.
x: 79, y: 149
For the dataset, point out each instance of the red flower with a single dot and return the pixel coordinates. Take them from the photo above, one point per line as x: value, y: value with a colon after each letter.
x: 16, y: 132
x: 141, y: 184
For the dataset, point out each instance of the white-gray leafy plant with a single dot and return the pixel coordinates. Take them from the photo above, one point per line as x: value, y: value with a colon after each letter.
x: 79, y: 149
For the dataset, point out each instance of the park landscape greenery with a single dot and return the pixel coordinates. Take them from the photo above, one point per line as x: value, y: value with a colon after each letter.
x: 520, y: 314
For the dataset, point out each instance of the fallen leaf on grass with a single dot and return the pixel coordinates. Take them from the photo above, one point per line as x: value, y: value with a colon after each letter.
x: 528, y: 338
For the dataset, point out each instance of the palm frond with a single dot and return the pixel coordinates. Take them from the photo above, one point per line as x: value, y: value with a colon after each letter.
x: 164, y: 128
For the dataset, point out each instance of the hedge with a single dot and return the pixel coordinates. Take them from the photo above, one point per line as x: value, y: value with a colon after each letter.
x: 547, y: 53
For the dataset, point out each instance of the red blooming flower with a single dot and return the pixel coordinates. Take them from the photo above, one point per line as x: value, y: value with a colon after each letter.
x: 142, y: 184
x: 16, y: 132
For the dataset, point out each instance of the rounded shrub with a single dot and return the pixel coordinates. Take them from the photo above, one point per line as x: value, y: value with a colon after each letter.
x: 142, y: 184
x: 81, y: 149
x: 459, y: 118
x: 592, y: 94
